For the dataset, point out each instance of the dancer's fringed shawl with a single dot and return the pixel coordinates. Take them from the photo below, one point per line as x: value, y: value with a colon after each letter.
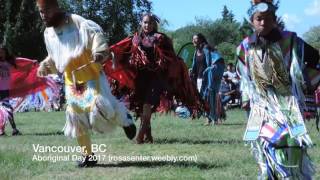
x: 129, y: 58
x: 24, y: 84
x: 24, y: 80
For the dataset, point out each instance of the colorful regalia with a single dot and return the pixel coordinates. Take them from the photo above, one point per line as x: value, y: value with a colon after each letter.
x: 272, y: 79
x: 6, y: 113
x: 132, y: 68
x: 90, y: 104
x: 20, y: 81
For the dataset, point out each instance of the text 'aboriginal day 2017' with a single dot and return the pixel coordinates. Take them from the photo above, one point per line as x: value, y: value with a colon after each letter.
x: 71, y: 153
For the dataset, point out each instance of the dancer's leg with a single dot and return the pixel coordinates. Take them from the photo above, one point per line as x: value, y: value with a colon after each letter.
x: 84, y: 141
x: 15, y: 131
x: 145, y: 123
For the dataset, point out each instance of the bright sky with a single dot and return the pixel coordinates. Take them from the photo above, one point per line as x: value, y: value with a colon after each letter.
x: 299, y: 15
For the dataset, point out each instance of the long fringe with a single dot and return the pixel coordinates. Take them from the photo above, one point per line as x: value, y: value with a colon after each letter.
x: 105, y: 114
x: 121, y: 112
x: 41, y: 100
x: 76, y: 123
x: 297, y: 80
x: 272, y: 167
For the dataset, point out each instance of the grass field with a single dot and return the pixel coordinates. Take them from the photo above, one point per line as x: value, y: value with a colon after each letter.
x: 215, y: 152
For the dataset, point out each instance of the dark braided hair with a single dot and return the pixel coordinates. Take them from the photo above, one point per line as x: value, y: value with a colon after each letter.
x: 203, y: 41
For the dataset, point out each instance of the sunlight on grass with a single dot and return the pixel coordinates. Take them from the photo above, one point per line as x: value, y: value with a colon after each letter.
x: 219, y: 150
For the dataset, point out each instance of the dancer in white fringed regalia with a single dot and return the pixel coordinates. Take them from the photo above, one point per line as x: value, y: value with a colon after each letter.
x: 77, y: 47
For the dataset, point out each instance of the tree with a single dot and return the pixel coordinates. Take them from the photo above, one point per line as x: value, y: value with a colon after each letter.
x: 245, y: 29
x: 313, y: 37
x: 223, y: 34
x: 28, y: 32
x: 2, y: 18
x: 184, y: 35
x: 228, y: 51
x: 222, y: 31
x: 227, y: 15
x: 118, y: 18
x: 9, y: 7
x: 22, y: 30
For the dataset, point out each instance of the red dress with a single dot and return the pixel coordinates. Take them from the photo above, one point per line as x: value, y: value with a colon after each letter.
x: 147, y: 67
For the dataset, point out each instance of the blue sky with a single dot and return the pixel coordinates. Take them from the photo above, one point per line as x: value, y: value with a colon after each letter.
x: 299, y: 15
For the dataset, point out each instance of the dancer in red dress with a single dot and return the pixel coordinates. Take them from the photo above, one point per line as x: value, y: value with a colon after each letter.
x: 147, y: 65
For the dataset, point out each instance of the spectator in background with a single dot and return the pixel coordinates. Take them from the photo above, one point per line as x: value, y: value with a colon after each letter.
x: 211, y: 84
x: 232, y: 75
x: 201, y: 59
x: 227, y: 90
x: 206, y: 72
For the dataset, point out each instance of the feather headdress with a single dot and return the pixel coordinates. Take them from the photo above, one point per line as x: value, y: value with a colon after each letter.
x: 254, y: 2
x: 262, y: 6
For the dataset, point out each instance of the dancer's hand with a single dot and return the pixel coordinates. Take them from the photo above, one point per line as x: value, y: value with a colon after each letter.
x: 245, y: 105
x: 100, y: 57
x: 43, y: 69
x: 46, y: 67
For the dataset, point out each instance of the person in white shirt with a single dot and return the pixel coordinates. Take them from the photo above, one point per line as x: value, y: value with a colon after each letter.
x: 232, y: 75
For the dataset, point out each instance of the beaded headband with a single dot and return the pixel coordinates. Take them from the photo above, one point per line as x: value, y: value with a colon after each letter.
x: 261, y: 6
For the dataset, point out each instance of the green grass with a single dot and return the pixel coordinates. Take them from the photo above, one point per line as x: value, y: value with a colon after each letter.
x: 220, y: 151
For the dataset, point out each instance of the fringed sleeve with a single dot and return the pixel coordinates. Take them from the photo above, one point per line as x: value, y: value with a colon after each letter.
x: 243, y: 70
x: 118, y: 67
x: 178, y: 76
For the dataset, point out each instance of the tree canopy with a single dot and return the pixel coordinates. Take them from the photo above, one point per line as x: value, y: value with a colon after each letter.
x: 224, y: 33
x: 22, y: 29
x: 313, y: 37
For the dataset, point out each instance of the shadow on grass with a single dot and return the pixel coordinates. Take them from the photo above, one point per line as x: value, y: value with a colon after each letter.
x: 232, y: 124
x: 154, y: 164
x: 190, y: 141
x: 44, y: 134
